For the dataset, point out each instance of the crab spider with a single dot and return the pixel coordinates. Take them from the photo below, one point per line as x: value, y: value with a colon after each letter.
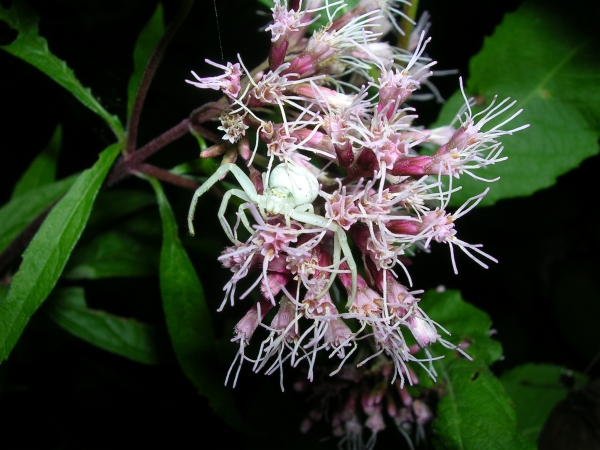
x: 291, y: 191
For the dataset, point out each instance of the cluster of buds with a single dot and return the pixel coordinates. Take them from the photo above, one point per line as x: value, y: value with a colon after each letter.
x: 339, y: 174
x: 362, y: 401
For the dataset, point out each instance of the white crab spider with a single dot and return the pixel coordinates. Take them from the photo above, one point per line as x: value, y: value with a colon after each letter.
x: 291, y: 191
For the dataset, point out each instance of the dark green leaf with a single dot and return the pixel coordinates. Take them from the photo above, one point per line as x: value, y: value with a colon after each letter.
x: 465, y: 322
x: 475, y: 412
x: 33, y: 48
x: 535, y: 389
x: 23, y: 209
x: 46, y: 256
x: 188, y: 318
x: 146, y: 42
x: 115, y: 205
x: 112, y: 254
x: 552, y: 67
x: 144, y: 225
x: 42, y: 170
x: 126, y: 337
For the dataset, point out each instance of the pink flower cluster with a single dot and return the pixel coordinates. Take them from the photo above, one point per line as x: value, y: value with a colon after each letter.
x: 359, y: 402
x: 355, y: 191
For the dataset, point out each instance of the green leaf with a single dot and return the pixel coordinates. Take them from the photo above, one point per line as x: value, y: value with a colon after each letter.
x: 539, y: 58
x: 475, y: 412
x: 112, y: 254
x: 465, y: 322
x: 21, y: 210
x: 535, y: 389
x: 124, y: 250
x: 42, y: 170
x: 48, y: 252
x: 146, y: 42
x: 33, y: 48
x: 115, y: 205
x: 125, y: 337
x: 188, y: 318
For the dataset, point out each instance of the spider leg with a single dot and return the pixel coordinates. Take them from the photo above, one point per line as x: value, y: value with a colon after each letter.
x: 244, y: 218
x: 340, y: 243
x: 223, y: 207
x: 306, y: 208
x: 241, y: 177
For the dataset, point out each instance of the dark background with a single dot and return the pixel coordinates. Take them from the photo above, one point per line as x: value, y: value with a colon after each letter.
x: 58, y: 392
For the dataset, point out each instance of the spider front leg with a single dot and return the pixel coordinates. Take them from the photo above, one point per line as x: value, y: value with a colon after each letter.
x: 223, y: 207
x: 248, y: 188
x: 340, y: 243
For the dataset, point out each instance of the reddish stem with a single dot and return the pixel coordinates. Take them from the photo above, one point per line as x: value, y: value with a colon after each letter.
x: 165, y: 175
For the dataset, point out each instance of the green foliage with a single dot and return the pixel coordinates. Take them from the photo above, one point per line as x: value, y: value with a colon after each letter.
x: 465, y: 322
x: 112, y: 254
x: 188, y: 319
x: 147, y: 40
x: 535, y: 389
x: 46, y: 256
x: 42, y: 171
x: 125, y: 337
x: 555, y: 76
x: 475, y: 411
x: 33, y: 48
x: 21, y: 210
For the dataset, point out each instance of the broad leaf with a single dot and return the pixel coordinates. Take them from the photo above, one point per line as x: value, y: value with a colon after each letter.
x: 112, y: 254
x: 188, y: 318
x: 48, y: 252
x: 552, y: 67
x: 465, y: 322
x: 21, y: 210
x: 475, y: 412
x: 42, y: 171
x: 535, y: 389
x: 33, y: 48
x: 125, y: 337
x: 146, y: 42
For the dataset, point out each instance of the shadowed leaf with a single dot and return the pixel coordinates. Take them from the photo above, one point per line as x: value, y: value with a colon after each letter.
x: 144, y: 46
x: 21, y: 210
x: 33, y: 48
x: 42, y: 171
x: 556, y: 79
x: 125, y: 337
x: 46, y: 256
x: 188, y: 318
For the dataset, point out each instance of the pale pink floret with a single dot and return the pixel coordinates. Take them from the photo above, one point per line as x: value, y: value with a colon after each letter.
x: 228, y: 83
x: 342, y: 208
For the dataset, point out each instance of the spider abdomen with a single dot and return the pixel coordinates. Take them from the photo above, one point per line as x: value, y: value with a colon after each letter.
x: 297, y: 181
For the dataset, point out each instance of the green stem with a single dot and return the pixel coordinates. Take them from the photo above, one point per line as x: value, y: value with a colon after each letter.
x: 405, y: 25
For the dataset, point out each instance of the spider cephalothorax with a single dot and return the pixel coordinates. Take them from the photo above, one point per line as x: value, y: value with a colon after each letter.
x: 291, y: 191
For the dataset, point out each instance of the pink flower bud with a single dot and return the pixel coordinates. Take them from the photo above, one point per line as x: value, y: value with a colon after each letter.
x: 246, y: 327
